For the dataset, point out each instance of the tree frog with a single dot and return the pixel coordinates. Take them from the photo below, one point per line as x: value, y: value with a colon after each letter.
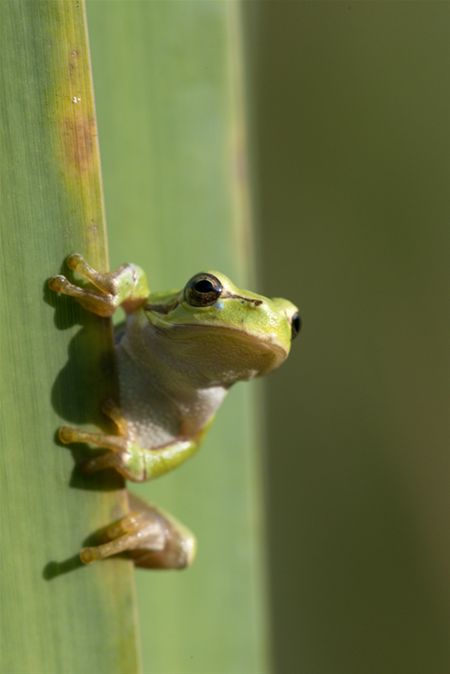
x: 177, y: 355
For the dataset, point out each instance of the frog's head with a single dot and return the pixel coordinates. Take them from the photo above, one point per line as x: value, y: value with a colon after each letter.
x: 222, y: 329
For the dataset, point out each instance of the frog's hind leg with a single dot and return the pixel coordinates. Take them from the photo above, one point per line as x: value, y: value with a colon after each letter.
x: 150, y: 536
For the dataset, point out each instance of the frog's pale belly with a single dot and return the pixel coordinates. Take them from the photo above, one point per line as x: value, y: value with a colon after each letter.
x: 154, y: 417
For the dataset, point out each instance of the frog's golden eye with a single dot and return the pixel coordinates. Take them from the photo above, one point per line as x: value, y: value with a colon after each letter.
x: 296, y: 324
x: 202, y: 290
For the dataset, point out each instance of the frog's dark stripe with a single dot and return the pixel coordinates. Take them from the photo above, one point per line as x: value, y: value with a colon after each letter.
x: 241, y: 297
x: 167, y: 308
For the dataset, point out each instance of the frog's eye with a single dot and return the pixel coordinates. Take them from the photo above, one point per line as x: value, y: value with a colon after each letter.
x: 202, y: 290
x: 296, y: 324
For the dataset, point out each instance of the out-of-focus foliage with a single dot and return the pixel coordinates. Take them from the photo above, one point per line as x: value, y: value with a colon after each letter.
x: 350, y: 109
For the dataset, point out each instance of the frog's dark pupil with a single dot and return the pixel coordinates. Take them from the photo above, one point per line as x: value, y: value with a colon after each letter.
x: 296, y: 324
x: 202, y: 290
x: 204, y: 286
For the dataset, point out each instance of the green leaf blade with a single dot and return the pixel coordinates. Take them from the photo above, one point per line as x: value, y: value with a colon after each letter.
x: 54, y: 615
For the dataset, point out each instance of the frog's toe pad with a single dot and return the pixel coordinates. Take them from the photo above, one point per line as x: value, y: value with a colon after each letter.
x: 73, y: 260
x: 89, y: 555
x: 67, y: 435
x: 58, y: 283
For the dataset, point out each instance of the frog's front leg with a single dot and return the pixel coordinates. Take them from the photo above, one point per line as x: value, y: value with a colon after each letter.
x: 127, y: 286
x: 150, y: 536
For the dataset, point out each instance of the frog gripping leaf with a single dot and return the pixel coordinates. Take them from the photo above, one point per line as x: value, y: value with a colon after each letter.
x: 177, y: 357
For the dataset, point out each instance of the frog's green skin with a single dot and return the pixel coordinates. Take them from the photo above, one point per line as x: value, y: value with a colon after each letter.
x: 177, y: 357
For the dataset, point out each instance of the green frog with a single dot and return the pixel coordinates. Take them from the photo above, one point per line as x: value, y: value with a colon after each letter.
x: 177, y: 356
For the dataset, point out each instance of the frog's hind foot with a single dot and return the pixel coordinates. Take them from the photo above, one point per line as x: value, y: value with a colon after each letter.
x: 132, y: 531
x: 151, y: 537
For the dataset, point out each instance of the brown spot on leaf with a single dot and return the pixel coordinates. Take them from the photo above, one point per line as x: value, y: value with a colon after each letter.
x: 79, y: 140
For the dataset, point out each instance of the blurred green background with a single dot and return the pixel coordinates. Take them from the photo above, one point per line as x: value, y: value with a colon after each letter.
x: 348, y: 116
x: 350, y: 106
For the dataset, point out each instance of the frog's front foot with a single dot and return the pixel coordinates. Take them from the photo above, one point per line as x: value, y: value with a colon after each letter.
x: 126, y: 286
x: 100, y: 299
x: 126, y: 455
